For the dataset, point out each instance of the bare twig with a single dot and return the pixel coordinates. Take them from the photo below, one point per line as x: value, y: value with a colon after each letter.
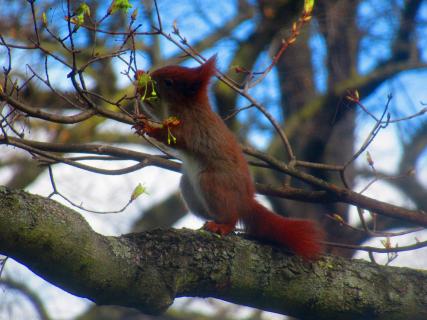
x: 375, y: 130
x: 80, y: 206
x: 417, y: 245
x: 33, y: 13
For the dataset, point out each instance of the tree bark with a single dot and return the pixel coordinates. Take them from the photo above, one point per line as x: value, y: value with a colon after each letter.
x: 148, y: 270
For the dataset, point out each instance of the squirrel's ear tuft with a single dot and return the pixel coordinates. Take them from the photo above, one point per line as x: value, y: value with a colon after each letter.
x: 208, y: 69
x: 199, y: 77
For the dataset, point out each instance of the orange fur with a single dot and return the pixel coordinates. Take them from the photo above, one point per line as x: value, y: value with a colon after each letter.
x: 301, y: 236
x: 216, y: 182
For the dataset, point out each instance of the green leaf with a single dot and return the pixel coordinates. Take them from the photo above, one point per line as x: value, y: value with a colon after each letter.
x: 369, y: 159
x: 81, y: 11
x: 134, y: 14
x: 44, y: 19
x: 308, y: 6
x: 139, y: 190
x: 171, y: 137
x: 144, y: 80
x: 123, y: 5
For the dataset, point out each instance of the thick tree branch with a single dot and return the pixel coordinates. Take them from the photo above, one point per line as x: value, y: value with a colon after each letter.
x: 148, y: 270
x: 403, y: 43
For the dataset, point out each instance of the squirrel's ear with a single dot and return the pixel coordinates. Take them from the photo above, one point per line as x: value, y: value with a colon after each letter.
x: 202, y: 75
x: 207, y: 70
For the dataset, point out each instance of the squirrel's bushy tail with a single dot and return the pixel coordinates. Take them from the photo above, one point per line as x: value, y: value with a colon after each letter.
x: 303, y: 237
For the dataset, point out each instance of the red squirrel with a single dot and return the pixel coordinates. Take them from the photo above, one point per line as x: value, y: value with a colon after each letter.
x: 216, y: 183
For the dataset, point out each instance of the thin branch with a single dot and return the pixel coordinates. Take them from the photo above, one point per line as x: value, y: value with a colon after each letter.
x: 39, y: 113
x: 375, y: 233
x: 30, y: 295
x: 80, y: 206
x: 159, y: 19
x: 345, y: 195
x: 33, y: 13
x: 375, y: 130
x: 98, y: 149
x: 417, y: 245
x: 296, y: 29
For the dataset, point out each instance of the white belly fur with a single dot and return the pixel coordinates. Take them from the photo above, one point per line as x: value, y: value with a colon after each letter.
x: 192, y: 168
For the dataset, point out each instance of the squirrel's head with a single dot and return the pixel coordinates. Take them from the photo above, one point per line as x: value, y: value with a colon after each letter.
x: 172, y: 87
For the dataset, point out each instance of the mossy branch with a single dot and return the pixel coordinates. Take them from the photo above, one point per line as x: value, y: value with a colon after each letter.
x: 149, y: 270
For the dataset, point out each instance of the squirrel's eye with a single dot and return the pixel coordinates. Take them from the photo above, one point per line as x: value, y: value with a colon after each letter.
x: 168, y: 82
